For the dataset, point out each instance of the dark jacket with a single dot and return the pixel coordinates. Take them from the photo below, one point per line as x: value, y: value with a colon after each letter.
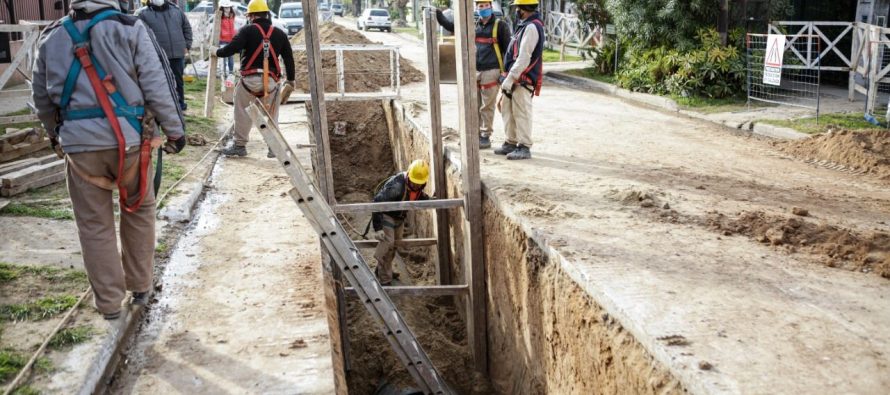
x: 532, y: 77
x: 486, y: 59
x: 394, y: 190
x: 249, y: 38
x: 171, y: 28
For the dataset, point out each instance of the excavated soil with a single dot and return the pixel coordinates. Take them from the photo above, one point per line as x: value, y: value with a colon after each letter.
x: 864, y: 150
x: 796, y: 232
x: 366, y: 71
x: 362, y: 157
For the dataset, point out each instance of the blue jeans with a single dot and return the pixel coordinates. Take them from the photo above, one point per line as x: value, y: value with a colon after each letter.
x: 228, y: 63
x: 177, y: 65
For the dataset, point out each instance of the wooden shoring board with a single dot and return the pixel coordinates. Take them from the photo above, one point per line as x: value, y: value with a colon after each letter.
x: 437, y: 150
x: 347, y: 257
x: 210, y: 93
x: 468, y: 110
x: 398, y: 206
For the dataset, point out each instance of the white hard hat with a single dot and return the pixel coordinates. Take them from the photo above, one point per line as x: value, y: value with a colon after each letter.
x: 225, y: 4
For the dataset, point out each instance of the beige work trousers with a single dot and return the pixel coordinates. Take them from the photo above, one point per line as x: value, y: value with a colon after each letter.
x: 517, y: 115
x: 487, y: 100
x: 243, y: 98
x: 112, y: 273
x: 386, y: 248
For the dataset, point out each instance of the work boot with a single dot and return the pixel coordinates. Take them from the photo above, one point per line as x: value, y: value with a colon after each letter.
x: 484, y: 142
x: 521, y: 152
x: 140, y: 298
x: 395, y: 276
x: 505, y: 149
x: 270, y: 154
x: 235, y: 150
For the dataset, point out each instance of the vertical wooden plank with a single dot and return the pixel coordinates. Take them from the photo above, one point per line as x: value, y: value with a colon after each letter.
x: 334, y: 296
x: 465, y: 55
x: 437, y: 154
x: 211, y: 71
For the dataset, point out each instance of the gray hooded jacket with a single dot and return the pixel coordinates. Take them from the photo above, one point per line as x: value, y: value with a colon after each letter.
x: 124, y: 47
x: 170, y: 26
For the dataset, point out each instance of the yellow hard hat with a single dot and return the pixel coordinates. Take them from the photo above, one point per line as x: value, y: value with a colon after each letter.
x: 482, y: 1
x: 524, y: 2
x: 260, y: 6
x: 419, y: 172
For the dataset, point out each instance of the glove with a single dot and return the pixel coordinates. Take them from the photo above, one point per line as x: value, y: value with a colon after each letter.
x: 507, y: 86
x: 174, y: 145
x: 57, y: 148
x: 214, y: 49
x: 378, y: 235
x: 286, y: 90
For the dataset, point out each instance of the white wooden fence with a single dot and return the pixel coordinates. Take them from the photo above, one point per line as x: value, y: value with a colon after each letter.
x: 806, y: 31
x: 567, y: 31
x: 22, y: 63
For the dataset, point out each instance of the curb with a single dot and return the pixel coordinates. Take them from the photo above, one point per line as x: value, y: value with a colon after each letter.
x: 104, y: 364
x: 667, y: 104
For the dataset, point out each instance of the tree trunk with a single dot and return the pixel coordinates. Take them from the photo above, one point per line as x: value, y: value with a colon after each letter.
x: 723, y: 21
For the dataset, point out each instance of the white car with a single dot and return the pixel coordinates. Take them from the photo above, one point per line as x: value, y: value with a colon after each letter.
x: 240, y: 15
x: 292, y: 16
x: 374, y: 18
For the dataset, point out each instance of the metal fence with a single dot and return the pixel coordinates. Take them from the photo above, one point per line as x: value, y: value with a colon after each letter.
x: 793, y: 83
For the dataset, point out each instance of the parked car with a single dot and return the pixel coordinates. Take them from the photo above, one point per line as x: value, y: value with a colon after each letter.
x: 374, y: 18
x: 292, y: 16
x: 240, y: 14
x: 337, y: 9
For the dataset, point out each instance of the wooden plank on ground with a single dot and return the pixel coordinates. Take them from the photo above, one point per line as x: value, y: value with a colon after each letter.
x: 18, y: 119
x: 28, y: 135
x: 20, y: 150
x: 10, y: 167
x: 48, y: 180
x: 32, y: 173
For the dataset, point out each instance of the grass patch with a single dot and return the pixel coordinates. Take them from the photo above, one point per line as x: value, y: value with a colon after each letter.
x: 195, y: 124
x: 37, y: 210
x: 20, y: 125
x: 825, y: 122
x: 43, y: 365
x: 173, y: 171
x: 591, y: 73
x: 26, y: 390
x: 10, y: 363
x: 161, y: 248
x: 551, y: 55
x: 8, y: 273
x: 40, y: 309
x: 71, y: 336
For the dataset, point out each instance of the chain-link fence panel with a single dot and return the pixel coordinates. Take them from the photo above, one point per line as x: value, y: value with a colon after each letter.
x: 784, y: 70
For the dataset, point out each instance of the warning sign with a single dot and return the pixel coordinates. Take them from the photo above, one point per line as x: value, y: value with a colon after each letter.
x: 772, y: 62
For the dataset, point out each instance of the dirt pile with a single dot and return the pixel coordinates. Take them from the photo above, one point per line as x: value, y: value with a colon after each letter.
x: 865, y: 150
x: 836, y: 247
x: 365, y: 71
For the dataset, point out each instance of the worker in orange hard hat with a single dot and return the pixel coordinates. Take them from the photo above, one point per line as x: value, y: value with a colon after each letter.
x: 403, y: 186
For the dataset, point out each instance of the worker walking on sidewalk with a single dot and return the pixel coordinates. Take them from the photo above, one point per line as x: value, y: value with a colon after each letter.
x: 521, y: 80
x: 260, y: 45
x: 97, y: 76
x: 492, y: 37
x: 404, y: 186
x: 173, y: 33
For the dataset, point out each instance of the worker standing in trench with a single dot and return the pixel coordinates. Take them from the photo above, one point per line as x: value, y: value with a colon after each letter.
x: 260, y: 45
x: 521, y: 80
x: 97, y: 77
x: 492, y: 37
x: 403, y: 186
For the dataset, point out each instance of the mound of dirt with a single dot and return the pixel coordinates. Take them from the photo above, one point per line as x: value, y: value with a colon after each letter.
x: 837, y: 247
x: 365, y: 71
x: 865, y: 150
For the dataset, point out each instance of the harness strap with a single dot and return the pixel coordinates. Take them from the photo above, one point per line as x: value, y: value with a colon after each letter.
x: 489, y: 85
x: 266, y: 35
x: 497, y: 47
x: 105, y: 92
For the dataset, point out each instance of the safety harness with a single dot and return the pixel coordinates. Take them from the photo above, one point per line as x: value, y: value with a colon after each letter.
x: 106, y: 93
x: 265, y: 49
x: 493, y: 41
x: 524, y: 80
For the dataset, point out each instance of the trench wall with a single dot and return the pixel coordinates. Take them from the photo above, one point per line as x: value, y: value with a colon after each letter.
x: 545, y: 333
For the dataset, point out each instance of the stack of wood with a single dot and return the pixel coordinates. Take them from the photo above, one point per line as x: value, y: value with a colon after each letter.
x: 18, y: 176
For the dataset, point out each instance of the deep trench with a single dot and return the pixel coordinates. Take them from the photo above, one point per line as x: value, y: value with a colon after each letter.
x: 545, y: 334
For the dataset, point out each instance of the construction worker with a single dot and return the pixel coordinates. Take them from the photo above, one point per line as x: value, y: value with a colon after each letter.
x: 173, y: 33
x: 260, y: 44
x: 492, y: 37
x: 97, y: 76
x: 521, y: 80
x: 403, y: 186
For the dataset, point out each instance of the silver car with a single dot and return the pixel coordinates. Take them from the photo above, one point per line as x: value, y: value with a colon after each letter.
x: 374, y: 18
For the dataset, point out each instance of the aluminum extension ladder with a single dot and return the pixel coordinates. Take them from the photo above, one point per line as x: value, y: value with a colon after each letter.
x: 347, y: 257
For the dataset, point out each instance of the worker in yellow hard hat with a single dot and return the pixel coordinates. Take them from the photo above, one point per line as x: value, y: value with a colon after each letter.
x: 403, y: 186
x: 492, y: 39
x: 262, y: 48
x: 521, y: 80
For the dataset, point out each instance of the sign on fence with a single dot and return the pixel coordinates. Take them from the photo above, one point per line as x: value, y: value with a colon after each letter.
x: 772, y: 63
